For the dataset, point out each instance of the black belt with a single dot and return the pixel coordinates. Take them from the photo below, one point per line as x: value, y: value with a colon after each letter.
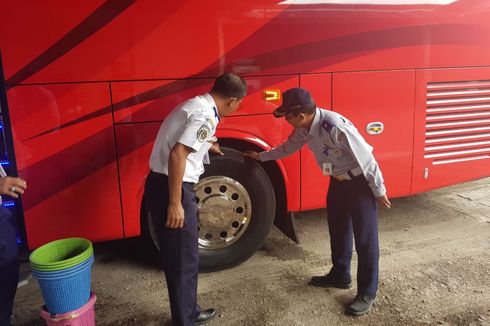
x: 164, y: 177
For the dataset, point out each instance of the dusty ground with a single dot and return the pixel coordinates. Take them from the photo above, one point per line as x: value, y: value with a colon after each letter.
x: 435, y: 270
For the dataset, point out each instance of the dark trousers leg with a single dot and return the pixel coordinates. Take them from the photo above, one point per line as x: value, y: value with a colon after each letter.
x: 9, y: 265
x: 364, y: 215
x: 178, y: 248
x: 340, y: 230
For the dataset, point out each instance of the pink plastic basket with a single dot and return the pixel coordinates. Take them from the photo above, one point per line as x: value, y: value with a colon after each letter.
x: 84, y: 316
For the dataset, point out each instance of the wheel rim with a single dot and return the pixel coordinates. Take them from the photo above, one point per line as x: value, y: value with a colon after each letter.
x: 224, y: 211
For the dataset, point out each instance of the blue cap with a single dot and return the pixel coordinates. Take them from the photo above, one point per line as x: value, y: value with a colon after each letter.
x: 297, y: 100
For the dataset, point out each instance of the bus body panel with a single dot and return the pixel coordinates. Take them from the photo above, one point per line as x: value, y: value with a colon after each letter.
x: 134, y: 145
x: 120, y: 40
x: 72, y: 171
x: 387, y: 97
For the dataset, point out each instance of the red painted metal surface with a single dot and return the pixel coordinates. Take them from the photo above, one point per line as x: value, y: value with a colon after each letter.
x: 86, y: 80
x: 387, y: 97
x: 72, y: 171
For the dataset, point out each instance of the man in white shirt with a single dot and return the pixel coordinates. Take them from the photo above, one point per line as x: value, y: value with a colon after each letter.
x: 176, y: 162
x: 356, y: 187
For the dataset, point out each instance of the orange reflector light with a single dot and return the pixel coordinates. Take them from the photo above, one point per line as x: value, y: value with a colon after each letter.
x: 272, y: 95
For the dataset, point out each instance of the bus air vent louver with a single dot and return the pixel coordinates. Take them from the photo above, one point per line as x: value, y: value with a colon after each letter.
x: 457, y: 126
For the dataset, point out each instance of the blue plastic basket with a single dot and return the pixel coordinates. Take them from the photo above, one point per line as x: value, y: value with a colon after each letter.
x: 65, y: 290
x: 63, y: 272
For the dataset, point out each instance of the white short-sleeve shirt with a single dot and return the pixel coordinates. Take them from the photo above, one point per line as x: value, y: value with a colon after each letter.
x: 193, y: 124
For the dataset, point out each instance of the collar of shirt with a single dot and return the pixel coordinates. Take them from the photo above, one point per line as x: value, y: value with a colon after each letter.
x: 211, y: 102
x: 316, y: 123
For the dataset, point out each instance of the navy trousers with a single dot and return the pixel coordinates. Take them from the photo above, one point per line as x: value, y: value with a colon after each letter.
x: 178, y: 248
x: 9, y: 265
x: 352, y: 210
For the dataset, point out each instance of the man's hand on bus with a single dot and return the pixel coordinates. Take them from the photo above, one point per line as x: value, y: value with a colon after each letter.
x: 252, y: 154
x: 12, y: 187
x: 383, y: 201
x: 175, y: 216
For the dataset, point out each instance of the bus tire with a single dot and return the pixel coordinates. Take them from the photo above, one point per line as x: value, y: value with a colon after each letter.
x: 237, y: 205
x: 250, y: 200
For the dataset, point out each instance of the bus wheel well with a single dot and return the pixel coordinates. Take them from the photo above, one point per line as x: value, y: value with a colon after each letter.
x: 270, y: 167
x: 276, y: 178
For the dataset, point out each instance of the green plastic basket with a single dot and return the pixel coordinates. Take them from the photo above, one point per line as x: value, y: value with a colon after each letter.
x: 61, y: 254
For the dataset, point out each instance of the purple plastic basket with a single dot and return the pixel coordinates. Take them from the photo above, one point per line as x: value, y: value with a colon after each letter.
x: 85, y: 316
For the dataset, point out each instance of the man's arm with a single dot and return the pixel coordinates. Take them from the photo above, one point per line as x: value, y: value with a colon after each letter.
x: 296, y: 140
x: 176, y: 168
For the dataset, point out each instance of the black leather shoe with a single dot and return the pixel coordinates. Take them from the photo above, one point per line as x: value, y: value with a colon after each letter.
x: 329, y: 281
x: 205, y: 316
x: 362, y: 304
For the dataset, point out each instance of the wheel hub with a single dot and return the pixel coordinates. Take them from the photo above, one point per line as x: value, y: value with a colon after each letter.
x: 224, y: 210
x: 214, y: 212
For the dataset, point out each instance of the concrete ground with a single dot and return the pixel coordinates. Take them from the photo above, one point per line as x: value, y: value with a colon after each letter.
x: 434, y: 270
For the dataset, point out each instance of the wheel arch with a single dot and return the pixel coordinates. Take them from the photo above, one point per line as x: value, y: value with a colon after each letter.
x: 242, y: 141
x: 276, y: 171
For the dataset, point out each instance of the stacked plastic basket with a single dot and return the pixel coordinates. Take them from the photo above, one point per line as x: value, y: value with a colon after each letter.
x: 63, y: 271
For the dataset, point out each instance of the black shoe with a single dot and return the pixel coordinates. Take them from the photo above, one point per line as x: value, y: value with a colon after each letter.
x: 329, y: 281
x: 362, y: 304
x: 205, y: 316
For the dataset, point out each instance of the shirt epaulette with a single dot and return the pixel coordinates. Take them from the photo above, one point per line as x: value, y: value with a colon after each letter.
x: 326, y: 125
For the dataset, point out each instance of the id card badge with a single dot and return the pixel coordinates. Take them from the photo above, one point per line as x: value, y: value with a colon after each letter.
x: 327, y: 168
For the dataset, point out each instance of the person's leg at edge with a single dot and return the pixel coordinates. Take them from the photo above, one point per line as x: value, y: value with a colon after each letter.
x: 9, y: 265
x: 364, y: 218
x: 340, y: 230
x: 365, y: 223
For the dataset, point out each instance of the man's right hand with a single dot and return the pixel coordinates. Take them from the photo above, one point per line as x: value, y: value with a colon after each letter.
x: 383, y: 201
x: 252, y: 154
x: 175, y: 216
x: 12, y: 186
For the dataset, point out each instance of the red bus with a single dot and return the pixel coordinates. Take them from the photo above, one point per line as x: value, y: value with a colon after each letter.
x: 89, y: 83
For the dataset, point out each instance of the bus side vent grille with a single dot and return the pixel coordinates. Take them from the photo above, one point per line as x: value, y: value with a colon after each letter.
x: 457, y: 126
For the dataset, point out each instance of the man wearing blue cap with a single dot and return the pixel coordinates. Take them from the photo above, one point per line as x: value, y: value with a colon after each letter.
x: 355, y: 190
